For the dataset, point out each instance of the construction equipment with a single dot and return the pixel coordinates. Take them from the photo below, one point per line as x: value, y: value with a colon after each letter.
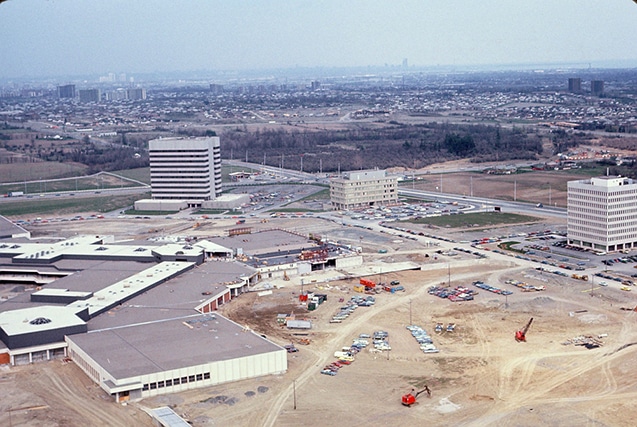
x: 411, y: 397
x: 521, y: 334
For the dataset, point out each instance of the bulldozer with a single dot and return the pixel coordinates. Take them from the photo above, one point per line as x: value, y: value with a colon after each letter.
x: 411, y: 397
x: 520, y: 336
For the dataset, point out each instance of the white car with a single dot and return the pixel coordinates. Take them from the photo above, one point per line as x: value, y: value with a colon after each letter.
x: 602, y: 283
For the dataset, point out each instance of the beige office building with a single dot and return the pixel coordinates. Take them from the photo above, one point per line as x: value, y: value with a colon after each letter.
x: 364, y: 188
x: 186, y: 169
x: 602, y: 213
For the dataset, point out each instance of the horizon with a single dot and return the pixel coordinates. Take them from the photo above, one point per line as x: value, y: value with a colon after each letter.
x: 69, y: 38
x: 318, y: 72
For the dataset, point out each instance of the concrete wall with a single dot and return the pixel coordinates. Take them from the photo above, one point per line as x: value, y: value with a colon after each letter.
x: 160, y: 205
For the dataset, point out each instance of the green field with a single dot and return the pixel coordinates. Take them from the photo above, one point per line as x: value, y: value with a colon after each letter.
x: 480, y: 219
x: 20, y: 172
x: 54, y: 206
x: 139, y: 174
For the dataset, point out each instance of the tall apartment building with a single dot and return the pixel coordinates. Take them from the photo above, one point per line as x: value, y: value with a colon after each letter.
x: 216, y: 89
x: 575, y: 85
x: 597, y: 87
x: 602, y: 213
x: 358, y: 189
x: 185, y: 169
x: 136, y: 94
x: 66, y: 91
x: 90, y: 95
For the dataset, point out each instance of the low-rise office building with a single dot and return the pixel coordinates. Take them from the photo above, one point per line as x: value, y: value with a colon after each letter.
x: 360, y: 189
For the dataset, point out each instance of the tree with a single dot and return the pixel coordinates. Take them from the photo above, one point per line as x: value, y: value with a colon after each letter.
x: 459, y: 145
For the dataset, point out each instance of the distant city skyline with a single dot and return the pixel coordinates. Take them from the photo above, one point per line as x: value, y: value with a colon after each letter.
x: 73, y: 37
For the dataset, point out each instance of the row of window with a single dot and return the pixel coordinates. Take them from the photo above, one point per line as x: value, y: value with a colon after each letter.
x: 190, y: 150
x: 176, y: 381
x: 625, y: 223
x: 623, y: 191
x: 610, y: 237
x: 577, y: 199
x: 603, y: 211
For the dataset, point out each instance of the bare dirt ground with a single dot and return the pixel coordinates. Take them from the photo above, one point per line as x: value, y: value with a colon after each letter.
x: 481, y: 377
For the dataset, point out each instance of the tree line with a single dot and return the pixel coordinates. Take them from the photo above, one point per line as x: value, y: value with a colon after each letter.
x: 371, y: 146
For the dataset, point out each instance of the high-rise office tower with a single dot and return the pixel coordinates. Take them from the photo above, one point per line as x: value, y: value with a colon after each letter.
x: 185, y: 169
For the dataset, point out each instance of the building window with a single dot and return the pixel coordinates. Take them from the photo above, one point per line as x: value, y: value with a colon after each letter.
x: 199, y: 377
x: 145, y: 387
x: 191, y: 378
x: 153, y: 386
x: 176, y: 381
x: 184, y: 380
x: 206, y: 376
x: 169, y: 383
x: 160, y: 384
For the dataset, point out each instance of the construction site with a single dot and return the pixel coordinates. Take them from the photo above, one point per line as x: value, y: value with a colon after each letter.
x: 561, y: 354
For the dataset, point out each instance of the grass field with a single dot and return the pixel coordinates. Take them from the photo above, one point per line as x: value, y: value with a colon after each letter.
x: 49, y: 206
x: 139, y: 174
x: 479, y: 219
x: 20, y: 172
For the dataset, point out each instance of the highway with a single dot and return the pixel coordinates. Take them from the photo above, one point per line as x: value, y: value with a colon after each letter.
x: 485, y: 204
x: 478, y: 203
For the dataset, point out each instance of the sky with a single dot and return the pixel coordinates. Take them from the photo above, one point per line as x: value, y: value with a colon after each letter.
x: 84, y: 37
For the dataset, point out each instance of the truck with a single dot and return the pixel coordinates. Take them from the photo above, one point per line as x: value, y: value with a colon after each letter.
x: 15, y: 193
x: 367, y: 283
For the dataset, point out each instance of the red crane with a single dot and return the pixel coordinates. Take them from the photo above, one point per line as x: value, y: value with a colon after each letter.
x: 521, y: 334
x: 410, y: 398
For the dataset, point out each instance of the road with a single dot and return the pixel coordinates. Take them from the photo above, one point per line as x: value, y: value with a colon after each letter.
x: 482, y: 203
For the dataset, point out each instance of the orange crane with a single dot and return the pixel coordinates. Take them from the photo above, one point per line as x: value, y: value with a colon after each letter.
x: 521, y: 334
x: 411, y: 397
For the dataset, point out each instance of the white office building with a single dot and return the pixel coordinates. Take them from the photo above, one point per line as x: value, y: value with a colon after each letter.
x: 602, y: 213
x: 364, y: 188
x: 185, y: 169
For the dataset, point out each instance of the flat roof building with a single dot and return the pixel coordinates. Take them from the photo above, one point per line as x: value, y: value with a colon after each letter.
x: 602, y: 213
x: 136, y: 94
x: 66, y: 91
x: 597, y: 87
x: 90, y: 95
x: 575, y: 85
x: 137, y: 318
x: 360, y: 189
x: 186, y: 169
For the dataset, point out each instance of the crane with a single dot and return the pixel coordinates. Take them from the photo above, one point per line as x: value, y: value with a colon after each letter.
x: 521, y: 334
x: 410, y: 398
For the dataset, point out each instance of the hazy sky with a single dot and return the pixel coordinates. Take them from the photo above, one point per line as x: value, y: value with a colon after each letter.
x: 71, y: 37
